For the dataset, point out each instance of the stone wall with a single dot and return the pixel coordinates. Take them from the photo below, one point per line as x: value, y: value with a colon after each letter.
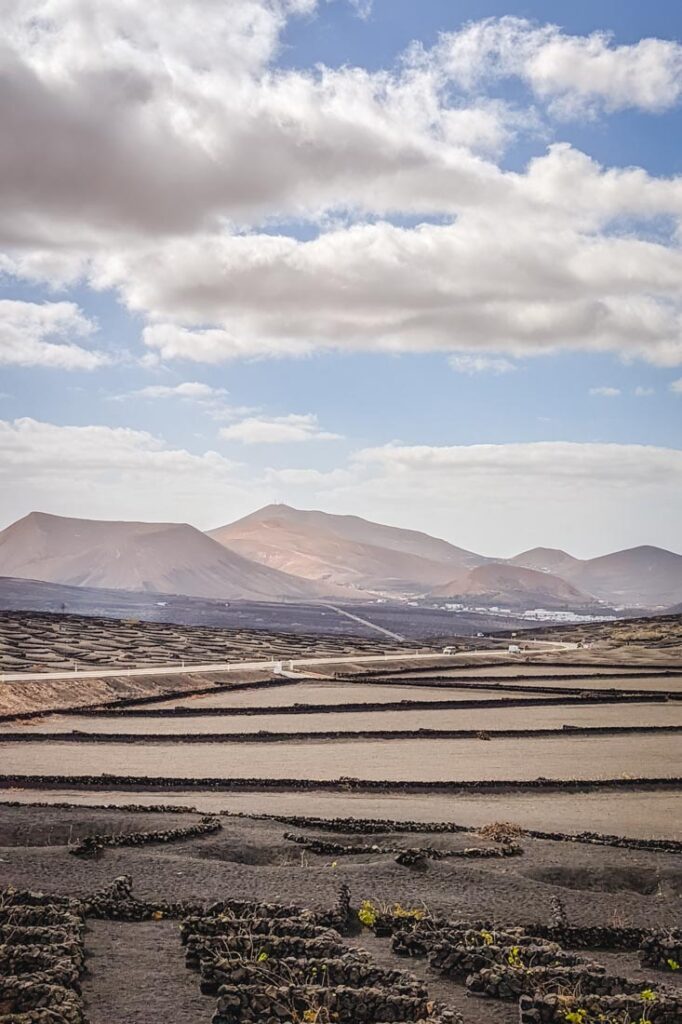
x: 275, y: 966
x: 553, y: 1008
x: 41, y: 959
x: 92, y: 845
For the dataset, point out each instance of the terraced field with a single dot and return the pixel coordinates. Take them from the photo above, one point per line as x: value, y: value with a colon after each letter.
x: 526, y: 724
x: 35, y: 642
x: 559, y: 716
x: 535, y: 807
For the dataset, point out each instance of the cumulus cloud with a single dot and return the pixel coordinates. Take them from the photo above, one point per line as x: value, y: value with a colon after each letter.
x: 125, y: 121
x: 572, y: 73
x: 46, y: 334
x: 605, y: 392
x: 461, y: 288
x: 107, y: 472
x: 133, y: 157
x: 501, y: 498
x: 291, y: 429
x: 642, y: 392
x: 676, y: 386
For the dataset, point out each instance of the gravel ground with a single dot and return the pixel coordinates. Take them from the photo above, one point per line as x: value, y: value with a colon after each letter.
x: 136, y: 973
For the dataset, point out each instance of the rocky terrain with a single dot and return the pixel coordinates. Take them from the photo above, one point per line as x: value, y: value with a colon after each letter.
x: 238, y: 919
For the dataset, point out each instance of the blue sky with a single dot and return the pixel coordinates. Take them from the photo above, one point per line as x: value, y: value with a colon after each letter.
x: 396, y: 315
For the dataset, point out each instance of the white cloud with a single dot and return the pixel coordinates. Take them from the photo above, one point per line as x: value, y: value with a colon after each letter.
x: 191, y: 390
x: 289, y: 429
x: 46, y: 334
x: 462, y: 288
x: 133, y: 155
x: 501, y: 498
x: 480, y: 364
x: 676, y: 386
x: 605, y: 392
x: 572, y: 73
x: 642, y: 392
x: 126, y: 121
x: 107, y: 472
x: 497, y: 499
x: 210, y: 399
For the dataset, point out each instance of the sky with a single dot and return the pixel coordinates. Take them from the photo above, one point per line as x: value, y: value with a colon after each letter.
x: 415, y: 261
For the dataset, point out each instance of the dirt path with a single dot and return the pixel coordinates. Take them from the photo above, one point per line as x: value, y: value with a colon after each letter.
x: 366, y: 622
x: 137, y: 975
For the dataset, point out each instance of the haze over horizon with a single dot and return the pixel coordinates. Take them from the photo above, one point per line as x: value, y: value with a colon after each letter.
x: 277, y: 505
x: 379, y: 258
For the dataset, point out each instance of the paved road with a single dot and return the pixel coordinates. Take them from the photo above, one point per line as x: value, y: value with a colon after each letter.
x: 231, y: 666
x: 265, y: 665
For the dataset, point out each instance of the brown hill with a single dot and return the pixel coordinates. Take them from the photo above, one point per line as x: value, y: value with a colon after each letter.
x: 511, y: 586
x: 165, y: 558
x: 546, y: 560
x: 344, y: 550
x: 642, y: 577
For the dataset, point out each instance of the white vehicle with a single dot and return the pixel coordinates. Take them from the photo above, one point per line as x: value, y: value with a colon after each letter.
x: 514, y: 649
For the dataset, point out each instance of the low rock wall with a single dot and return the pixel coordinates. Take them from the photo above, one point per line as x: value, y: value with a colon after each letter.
x: 553, y: 1009
x: 458, y: 962
x: 344, y: 783
x: 662, y: 950
x: 257, y: 926
x: 41, y: 958
x: 92, y: 845
x: 271, y: 968
x: 238, y: 1004
x: 212, y: 947
x: 407, y: 857
x: 504, y: 982
x: 351, y: 969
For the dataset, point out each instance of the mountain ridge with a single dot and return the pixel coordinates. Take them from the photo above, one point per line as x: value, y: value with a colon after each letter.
x: 346, y: 550
x: 160, y: 558
x: 282, y: 553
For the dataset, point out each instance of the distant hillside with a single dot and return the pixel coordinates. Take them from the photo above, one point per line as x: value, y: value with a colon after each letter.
x: 282, y: 553
x: 165, y: 558
x: 344, y: 550
x: 546, y: 560
x: 645, y: 577
x: 514, y: 587
x: 642, y: 577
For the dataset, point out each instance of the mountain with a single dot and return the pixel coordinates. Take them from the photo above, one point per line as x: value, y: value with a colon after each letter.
x: 282, y: 553
x: 164, y: 558
x: 514, y: 587
x: 546, y: 560
x: 344, y: 550
x: 642, y: 577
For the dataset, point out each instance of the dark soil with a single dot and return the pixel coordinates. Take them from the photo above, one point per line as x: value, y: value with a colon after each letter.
x: 123, y: 962
x: 136, y: 972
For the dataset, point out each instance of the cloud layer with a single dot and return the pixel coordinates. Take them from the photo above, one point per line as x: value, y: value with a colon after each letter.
x: 136, y: 162
x: 496, y: 499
